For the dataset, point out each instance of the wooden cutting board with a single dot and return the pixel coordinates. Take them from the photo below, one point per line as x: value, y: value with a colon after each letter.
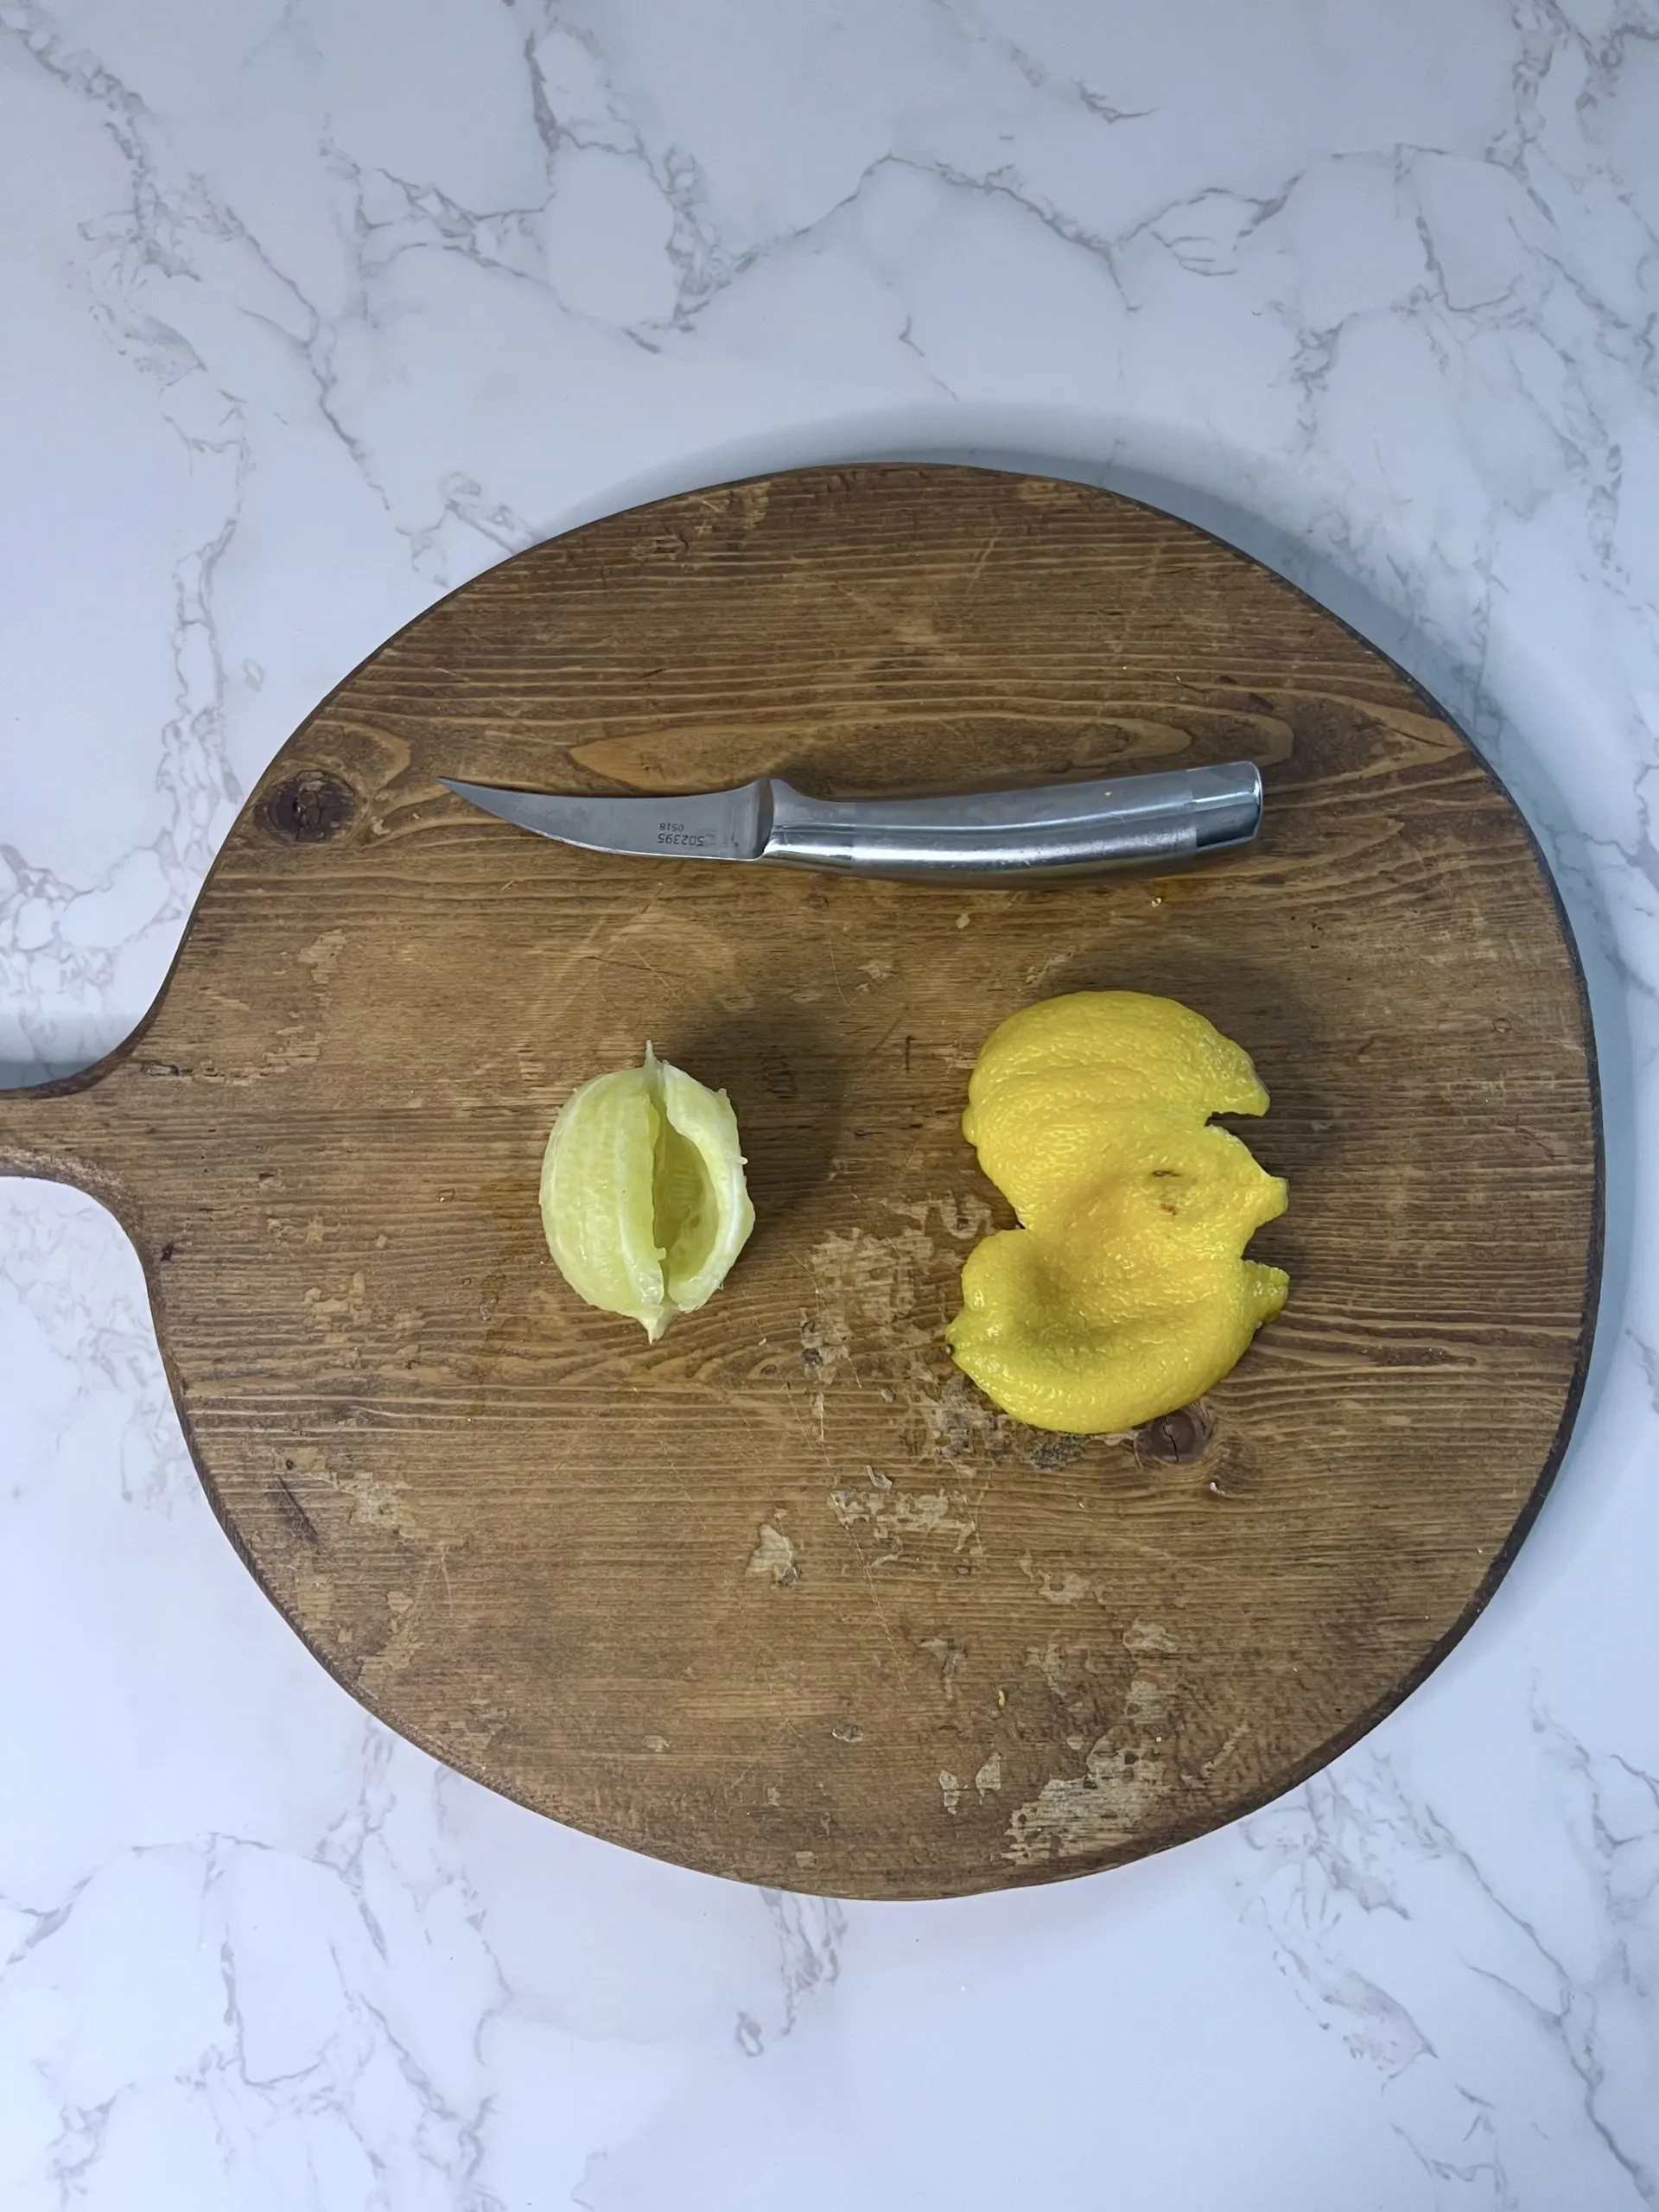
x: 782, y: 1597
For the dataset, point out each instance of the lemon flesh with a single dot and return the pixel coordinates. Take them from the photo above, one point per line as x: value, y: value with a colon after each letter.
x: 1124, y: 1294
x: 643, y: 1198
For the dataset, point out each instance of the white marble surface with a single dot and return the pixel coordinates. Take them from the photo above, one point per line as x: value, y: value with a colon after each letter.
x: 309, y: 311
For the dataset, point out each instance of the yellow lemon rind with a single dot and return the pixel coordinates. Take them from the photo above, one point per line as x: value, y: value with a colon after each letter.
x: 1125, y: 1292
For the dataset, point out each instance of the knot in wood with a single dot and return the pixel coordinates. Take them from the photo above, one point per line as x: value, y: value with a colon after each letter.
x: 1176, y: 1440
x: 308, y: 808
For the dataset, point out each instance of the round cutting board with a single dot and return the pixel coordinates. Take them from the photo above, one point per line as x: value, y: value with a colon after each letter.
x: 782, y: 1596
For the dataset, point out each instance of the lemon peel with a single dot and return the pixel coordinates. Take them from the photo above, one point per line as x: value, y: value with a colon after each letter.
x: 1124, y: 1294
x: 643, y: 1196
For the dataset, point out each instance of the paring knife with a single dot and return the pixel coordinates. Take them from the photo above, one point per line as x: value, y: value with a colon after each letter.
x: 1053, y: 830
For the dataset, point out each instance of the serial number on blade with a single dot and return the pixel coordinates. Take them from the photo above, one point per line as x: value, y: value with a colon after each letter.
x: 675, y: 833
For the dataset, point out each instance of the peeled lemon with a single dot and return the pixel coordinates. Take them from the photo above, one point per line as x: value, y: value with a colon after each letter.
x: 643, y: 1196
x: 1124, y: 1293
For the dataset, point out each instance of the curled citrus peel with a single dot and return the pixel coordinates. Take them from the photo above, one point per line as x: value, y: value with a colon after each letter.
x: 1124, y: 1294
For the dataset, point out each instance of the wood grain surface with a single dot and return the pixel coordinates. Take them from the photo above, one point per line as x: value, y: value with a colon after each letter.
x: 782, y: 1597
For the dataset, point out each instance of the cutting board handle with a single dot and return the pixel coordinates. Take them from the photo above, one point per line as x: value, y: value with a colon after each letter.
x: 64, y: 1132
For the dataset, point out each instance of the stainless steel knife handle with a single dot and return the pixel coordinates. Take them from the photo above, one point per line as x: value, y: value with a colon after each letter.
x: 1056, y: 829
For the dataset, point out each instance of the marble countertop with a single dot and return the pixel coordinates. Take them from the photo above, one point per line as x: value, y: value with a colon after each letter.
x: 310, y: 313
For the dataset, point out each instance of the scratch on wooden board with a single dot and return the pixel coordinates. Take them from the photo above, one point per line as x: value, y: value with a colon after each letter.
x: 1147, y: 1636
x: 1145, y: 1700
x: 978, y: 569
x: 1104, y: 1805
x: 950, y: 1657
x: 774, y: 1556
x: 895, y: 1515
x: 322, y: 955
x: 875, y: 1595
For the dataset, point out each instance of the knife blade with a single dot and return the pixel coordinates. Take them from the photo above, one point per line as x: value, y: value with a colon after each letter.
x: 1051, y: 830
